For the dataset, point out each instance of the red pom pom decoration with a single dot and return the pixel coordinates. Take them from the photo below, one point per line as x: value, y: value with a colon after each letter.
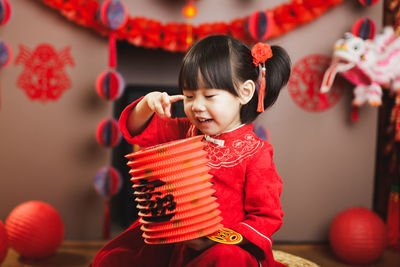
x: 260, y: 25
x: 5, y: 12
x: 358, y: 236
x: 107, y: 181
x: 35, y: 229
x: 364, y: 28
x: 108, y: 133
x: 5, y: 54
x: 368, y: 2
x: 113, y: 14
x: 3, y: 242
x: 110, y: 85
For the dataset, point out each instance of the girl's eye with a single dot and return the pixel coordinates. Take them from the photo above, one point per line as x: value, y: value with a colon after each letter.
x: 188, y: 96
x: 209, y: 96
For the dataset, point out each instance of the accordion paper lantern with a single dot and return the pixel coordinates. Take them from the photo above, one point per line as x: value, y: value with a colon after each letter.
x: 358, y: 236
x: 35, y: 229
x: 3, y: 242
x: 174, y: 193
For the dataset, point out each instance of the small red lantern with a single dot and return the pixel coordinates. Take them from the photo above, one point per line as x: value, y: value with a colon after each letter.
x: 5, y: 12
x: 110, y: 85
x: 368, y: 2
x: 3, y: 242
x: 364, y: 28
x: 190, y: 11
x: 260, y: 25
x: 35, y: 229
x: 107, y: 133
x: 358, y: 236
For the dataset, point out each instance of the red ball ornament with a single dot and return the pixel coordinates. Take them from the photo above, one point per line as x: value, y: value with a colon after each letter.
x: 35, y: 229
x: 3, y: 242
x: 107, y: 181
x: 107, y: 133
x: 113, y: 14
x: 358, y: 236
x: 5, y: 12
x: 368, y: 2
x: 364, y: 28
x: 260, y: 25
x: 5, y: 54
x: 110, y: 85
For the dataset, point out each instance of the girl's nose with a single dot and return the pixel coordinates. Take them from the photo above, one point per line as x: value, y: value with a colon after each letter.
x: 198, y: 105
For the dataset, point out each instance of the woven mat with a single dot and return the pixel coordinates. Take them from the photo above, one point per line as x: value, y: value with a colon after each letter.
x: 291, y: 260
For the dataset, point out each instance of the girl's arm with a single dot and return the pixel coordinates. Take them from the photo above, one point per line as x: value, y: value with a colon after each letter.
x: 154, y: 102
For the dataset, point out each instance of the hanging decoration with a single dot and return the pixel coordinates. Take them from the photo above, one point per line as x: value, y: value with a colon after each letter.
x: 368, y: 2
x: 43, y: 77
x: 260, y: 25
x: 368, y: 64
x: 5, y: 49
x: 189, y: 11
x: 107, y: 182
x: 150, y: 33
x: 364, y: 28
x: 305, y: 81
x: 110, y: 84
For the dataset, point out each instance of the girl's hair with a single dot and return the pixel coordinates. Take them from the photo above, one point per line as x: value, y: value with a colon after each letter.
x: 223, y: 62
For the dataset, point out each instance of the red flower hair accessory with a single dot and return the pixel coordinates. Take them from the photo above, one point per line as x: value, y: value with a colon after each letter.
x: 261, y: 52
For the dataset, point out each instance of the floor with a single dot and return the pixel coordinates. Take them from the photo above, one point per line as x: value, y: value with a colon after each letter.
x: 80, y: 254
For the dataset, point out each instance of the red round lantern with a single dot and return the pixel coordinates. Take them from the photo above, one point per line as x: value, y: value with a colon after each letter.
x: 113, y: 14
x: 260, y: 25
x: 110, y: 85
x: 358, y: 236
x: 368, y: 2
x: 5, y: 12
x: 364, y: 28
x: 35, y: 229
x: 107, y: 133
x: 5, y: 54
x: 107, y: 181
x: 3, y: 242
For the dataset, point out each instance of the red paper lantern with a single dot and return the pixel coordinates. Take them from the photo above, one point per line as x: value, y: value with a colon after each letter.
x: 5, y: 54
x: 368, y: 2
x: 3, y: 242
x: 260, y: 25
x: 110, y: 85
x: 364, y: 28
x: 358, y: 236
x: 5, y: 12
x: 35, y: 229
x: 107, y: 181
x: 113, y: 14
x: 107, y: 133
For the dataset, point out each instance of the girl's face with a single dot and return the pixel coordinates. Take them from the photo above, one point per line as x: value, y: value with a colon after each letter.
x: 212, y: 111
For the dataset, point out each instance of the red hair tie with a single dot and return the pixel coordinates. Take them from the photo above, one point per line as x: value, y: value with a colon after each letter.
x: 261, y: 52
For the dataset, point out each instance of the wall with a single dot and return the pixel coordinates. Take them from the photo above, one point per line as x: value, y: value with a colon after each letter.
x: 48, y: 150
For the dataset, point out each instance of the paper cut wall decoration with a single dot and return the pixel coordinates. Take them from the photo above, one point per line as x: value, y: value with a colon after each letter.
x: 368, y: 64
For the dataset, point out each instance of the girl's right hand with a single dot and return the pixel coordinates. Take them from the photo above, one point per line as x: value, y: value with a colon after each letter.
x: 160, y: 103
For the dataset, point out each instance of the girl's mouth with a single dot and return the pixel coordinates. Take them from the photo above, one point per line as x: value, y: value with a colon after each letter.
x: 203, y: 120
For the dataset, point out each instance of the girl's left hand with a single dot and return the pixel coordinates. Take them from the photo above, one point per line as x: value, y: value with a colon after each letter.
x: 200, y: 244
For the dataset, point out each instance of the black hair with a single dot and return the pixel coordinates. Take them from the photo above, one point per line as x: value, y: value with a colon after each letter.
x: 223, y: 62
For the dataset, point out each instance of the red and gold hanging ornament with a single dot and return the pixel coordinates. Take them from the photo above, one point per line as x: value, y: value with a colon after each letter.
x: 189, y: 11
x: 107, y: 182
x: 260, y: 25
x: 110, y: 85
x: 261, y: 52
x: 364, y: 28
x: 107, y: 133
x: 368, y: 2
x: 44, y: 77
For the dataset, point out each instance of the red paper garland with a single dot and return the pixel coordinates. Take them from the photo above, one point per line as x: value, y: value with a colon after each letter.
x: 151, y: 33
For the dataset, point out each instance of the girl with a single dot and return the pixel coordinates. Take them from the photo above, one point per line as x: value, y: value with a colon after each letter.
x: 225, y: 86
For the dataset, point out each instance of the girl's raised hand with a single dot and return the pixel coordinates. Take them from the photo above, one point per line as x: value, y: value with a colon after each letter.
x: 160, y: 103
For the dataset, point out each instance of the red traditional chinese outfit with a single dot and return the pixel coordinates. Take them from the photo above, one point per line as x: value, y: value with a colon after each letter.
x: 247, y: 188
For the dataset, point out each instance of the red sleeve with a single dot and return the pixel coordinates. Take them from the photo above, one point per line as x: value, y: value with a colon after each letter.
x: 158, y: 131
x: 263, y: 188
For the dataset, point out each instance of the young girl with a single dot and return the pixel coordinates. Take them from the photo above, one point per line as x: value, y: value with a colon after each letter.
x: 225, y: 86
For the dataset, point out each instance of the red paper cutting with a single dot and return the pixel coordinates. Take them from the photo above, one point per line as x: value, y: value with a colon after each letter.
x: 43, y: 77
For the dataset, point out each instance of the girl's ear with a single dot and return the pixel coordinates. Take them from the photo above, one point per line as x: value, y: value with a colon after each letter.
x: 246, y: 92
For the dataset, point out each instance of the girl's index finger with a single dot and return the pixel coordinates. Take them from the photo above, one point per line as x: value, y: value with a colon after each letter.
x: 174, y: 98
